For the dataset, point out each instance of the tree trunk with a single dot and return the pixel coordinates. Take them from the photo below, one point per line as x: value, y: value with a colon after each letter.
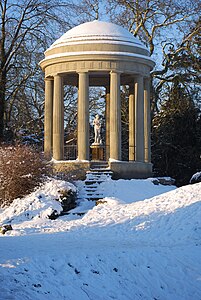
x: 2, y: 103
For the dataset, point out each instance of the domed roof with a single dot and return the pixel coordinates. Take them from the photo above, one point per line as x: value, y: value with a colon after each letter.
x: 97, y: 45
x: 98, y: 31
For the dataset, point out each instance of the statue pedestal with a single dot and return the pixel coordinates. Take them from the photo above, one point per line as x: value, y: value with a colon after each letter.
x: 97, y: 152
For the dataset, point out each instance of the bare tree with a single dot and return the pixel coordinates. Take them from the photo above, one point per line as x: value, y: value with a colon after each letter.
x: 181, y: 62
x: 25, y: 27
x: 163, y: 26
x: 88, y: 10
x: 150, y: 19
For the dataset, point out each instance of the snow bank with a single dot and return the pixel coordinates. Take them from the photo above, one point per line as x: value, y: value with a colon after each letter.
x: 133, y: 190
x: 38, y: 205
x: 148, y: 249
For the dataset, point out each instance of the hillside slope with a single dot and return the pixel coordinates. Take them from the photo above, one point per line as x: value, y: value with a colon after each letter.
x: 146, y: 249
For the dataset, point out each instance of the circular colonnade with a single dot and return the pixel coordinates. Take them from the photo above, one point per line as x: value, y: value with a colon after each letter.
x: 107, y: 55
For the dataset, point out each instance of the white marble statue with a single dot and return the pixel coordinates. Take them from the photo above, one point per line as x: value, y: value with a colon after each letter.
x: 97, y: 130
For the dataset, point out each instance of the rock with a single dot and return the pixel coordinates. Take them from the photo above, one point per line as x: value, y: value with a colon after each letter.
x: 54, y: 215
x: 163, y: 181
x: 195, y: 178
x: 67, y: 199
x: 155, y: 181
x: 100, y: 202
x: 5, y: 228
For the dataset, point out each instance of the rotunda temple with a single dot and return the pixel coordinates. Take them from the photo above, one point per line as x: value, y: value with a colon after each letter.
x: 99, y: 54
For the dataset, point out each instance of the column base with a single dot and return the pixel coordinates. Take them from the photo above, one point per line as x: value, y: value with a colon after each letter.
x: 130, y: 169
x: 121, y: 169
x: 74, y: 169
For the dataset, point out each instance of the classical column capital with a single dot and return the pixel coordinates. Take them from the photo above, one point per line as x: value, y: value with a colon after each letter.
x: 82, y: 72
x: 116, y: 71
x: 49, y: 79
x: 57, y: 75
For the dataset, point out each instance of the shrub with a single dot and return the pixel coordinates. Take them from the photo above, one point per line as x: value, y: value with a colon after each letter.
x: 21, y: 170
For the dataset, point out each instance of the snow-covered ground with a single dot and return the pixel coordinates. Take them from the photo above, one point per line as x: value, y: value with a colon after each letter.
x: 143, y: 242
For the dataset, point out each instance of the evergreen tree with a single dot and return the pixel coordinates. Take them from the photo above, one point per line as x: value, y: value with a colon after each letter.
x: 176, y: 147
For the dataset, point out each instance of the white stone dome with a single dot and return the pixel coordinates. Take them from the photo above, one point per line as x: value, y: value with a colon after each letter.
x: 97, y: 46
x: 98, y: 31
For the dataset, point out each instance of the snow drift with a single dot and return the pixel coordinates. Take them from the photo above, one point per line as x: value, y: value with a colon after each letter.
x: 146, y: 249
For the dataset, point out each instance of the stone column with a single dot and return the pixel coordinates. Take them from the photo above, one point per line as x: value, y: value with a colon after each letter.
x: 115, y: 116
x: 139, y: 119
x: 107, y: 124
x: 131, y: 123
x: 48, y: 122
x: 58, y: 119
x: 147, y: 120
x: 83, y: 117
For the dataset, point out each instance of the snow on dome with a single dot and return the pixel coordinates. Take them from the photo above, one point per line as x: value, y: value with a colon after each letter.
x: 98, y: 31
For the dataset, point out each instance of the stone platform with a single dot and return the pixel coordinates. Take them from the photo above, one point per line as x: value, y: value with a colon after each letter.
x: 120, y: 169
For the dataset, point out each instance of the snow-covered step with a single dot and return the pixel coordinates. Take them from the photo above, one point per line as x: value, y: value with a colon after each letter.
x: 90, y: 190
x: 90, y: 194
x: 97, y: 172
x: 89, y: 182
x: 91, y: 186
x: 97, y: 177
x: 94, y: 198
x: 96, y: 195
x: 99, y: 165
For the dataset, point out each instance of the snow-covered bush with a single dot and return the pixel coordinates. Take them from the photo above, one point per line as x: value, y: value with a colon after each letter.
x: 21, y: 169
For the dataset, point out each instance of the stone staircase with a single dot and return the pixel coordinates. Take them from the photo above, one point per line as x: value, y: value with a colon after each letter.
x: 90, y: 190
x: 98, y: 173
x: 99, y: 166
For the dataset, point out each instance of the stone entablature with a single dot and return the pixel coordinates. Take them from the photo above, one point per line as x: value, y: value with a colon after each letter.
x: 132, y: 66
x: 95, y: 60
